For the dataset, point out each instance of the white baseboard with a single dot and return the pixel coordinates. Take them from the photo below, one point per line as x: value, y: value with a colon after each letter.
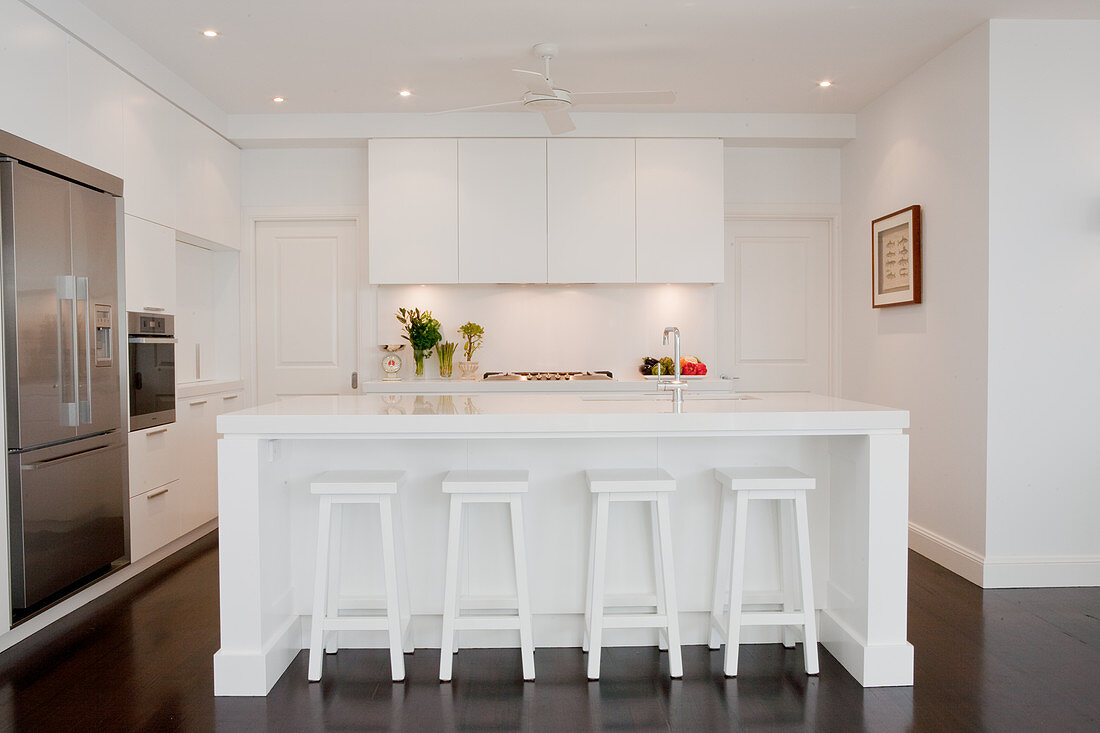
x: 1006, y: 571
x: 1041, y: 572
x: 942, y: 551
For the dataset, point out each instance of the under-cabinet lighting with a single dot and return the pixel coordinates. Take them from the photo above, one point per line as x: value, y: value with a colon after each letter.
x: 278, y: 100
x: 210, y: 33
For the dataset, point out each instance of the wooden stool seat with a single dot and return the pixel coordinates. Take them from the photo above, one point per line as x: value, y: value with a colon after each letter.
x: 336, y: 489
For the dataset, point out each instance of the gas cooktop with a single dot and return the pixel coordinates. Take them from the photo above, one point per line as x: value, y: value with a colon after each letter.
x: 547, y: 376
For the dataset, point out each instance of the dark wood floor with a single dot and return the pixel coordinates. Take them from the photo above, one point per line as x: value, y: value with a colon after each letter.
x: 139, y: 659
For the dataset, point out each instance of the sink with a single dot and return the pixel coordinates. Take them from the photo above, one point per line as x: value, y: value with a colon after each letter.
x: 650, y: 396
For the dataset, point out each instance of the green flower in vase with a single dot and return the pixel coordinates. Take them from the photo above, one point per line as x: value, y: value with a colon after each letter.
x: 422, y: 333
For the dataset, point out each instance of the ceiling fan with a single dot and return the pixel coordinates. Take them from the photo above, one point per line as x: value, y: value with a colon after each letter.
x: 554, y: 103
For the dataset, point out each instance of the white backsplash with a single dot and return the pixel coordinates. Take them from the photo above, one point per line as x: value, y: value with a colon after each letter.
x: 560, y: 327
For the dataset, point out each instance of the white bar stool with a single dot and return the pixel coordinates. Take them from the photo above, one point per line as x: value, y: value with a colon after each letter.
x: 788, y: 487
x: 652, y: 485
x: 484, y: 487
x: 337, y: 488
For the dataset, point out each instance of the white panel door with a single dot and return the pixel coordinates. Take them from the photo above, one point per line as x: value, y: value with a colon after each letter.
x: 502, y: 211
x: 150, y: 266
x: 777, y: 297
x: 305, y: 308
x: 590, y: 211
x: 413, y: 211
x: 681, y: 206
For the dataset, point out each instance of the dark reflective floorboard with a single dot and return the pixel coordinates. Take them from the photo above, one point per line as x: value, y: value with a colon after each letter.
x: 139, y: 660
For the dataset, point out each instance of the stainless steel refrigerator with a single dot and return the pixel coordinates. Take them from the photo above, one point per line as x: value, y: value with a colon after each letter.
x: 67, y: 499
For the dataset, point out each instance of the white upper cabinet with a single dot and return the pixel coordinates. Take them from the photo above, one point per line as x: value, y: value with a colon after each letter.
x: 413, y: 211
x: 502, y: 211
x: 150, y: 154
x: 681, y: 211
x: 96, y: 93
x: 33, y: 77
x: 150, y: 266
x: 208, y: 185
x: 590, y: 211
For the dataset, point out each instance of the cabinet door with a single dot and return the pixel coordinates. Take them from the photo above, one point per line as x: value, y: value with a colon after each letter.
x: 681, y: 211
x: 199, y: 448
x: 413, y: 211
x: 502, y: 211
x: 590, y: 211
x: 33, y: 77
x: 96, y: 92
x: 150, y: 266
x: 154, y: 520
x: 150, y: 154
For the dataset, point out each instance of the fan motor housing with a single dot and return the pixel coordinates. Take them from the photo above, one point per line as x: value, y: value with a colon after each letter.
x: 560, y: 99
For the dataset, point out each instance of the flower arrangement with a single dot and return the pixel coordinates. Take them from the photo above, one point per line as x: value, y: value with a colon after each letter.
x: 422, y: 333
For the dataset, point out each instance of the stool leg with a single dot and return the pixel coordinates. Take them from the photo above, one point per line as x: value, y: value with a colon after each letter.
x: 523, y: 600
x: 788, y: 549
x: 810, y: 620
x: 721, y: 566
x: 332, y: 639
x: 658, y: 576
x: 320, y: 589
x: 588, y: 581
x: 737, y: 584
x: 675, y: 661
x: 393, y: 605
x: 450, y: 590
x: 402, y: 578
x: 599, y: 571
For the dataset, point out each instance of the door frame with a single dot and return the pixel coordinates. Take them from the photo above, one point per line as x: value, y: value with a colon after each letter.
x: 251, y: 216
x: 827, y: 213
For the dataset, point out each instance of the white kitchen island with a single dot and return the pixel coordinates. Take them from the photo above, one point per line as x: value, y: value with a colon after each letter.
x: 267, y: 528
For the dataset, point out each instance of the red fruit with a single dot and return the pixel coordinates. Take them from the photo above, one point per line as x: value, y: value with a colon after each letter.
x: 700, y: 368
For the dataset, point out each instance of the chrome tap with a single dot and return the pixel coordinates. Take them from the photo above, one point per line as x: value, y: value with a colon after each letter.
x: 677, y: 384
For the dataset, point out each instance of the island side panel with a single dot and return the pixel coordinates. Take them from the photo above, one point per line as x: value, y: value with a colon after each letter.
x: 864, y: 621
x: 260, y: 632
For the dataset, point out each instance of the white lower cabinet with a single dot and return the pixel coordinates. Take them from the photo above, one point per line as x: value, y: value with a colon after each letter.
x: 154, y: 457
x: 197, y: 418
x: 154, y: 519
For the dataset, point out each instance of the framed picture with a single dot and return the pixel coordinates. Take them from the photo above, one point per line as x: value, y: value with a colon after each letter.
x: 895, y: 258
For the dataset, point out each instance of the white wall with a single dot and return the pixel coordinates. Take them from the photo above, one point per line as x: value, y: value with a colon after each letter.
x: 782, y: 176
x: 1044, y: 303
x: 296, y: 177
x: 925, y: 141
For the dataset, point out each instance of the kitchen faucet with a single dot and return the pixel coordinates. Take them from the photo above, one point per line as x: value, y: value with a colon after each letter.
x: 677, y: 384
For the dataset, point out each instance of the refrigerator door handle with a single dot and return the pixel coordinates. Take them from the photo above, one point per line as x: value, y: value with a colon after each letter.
x: 84, y: 351
x: 65, y: 458
x: 66, y: 337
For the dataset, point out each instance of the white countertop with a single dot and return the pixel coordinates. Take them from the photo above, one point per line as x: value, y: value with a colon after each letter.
x: 477, y: 386
x: 530, y: 414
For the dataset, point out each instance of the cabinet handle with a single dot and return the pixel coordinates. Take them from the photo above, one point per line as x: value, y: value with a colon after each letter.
x: 230, y: 396
x: 156, y: 432
x: 196, y: 403
x: 154, y: 494
x: 153, y: 308
x: 355, y: 380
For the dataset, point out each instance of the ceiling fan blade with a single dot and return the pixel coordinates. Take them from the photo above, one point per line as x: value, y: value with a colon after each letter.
x: 559, y: 121
x: 477, y: 106
x: 534, y: 81
x: 624, y: 97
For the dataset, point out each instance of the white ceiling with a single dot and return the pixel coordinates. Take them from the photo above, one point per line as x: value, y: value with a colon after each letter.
x: 718, y: 55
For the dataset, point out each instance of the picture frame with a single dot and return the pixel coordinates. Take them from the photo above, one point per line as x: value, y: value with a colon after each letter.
x: 896, y: 258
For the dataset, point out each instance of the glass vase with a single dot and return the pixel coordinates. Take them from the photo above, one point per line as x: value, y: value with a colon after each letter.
x: 418, y: 357
x: 446, y: 364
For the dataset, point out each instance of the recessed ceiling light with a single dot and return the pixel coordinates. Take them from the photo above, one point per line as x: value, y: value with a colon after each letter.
x: 405, y: 93
x: 210, y: 33
x: 825, y: 83
x: 278, y: 100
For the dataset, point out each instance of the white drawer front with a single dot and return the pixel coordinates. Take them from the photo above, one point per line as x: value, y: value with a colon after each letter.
x: 154, y: 519
x: 154, y: 458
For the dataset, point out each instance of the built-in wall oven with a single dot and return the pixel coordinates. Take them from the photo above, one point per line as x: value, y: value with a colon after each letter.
x: 152, y: 370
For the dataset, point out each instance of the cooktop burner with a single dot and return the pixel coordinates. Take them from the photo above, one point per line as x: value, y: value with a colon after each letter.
x: 547, y: 376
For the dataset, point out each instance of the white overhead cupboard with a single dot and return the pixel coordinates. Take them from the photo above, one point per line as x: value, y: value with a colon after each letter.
x: 563, y: 210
